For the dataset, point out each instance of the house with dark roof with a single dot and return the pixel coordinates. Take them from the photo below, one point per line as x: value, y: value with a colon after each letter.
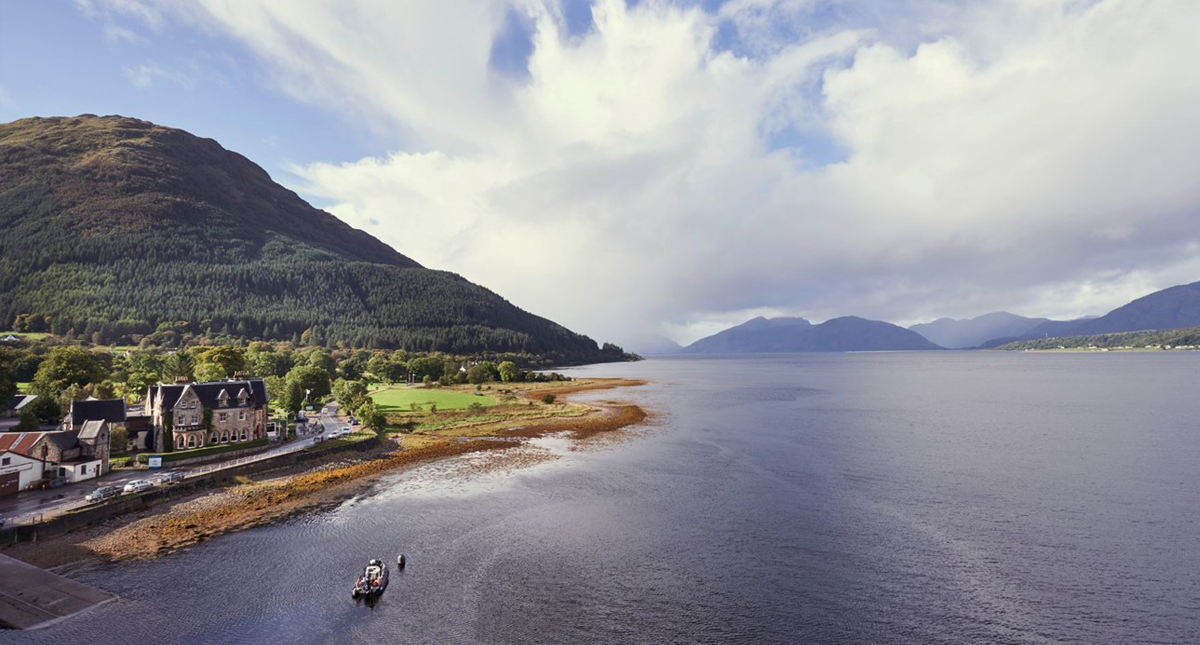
x: 112, y: 411
x: 195, y: 415
x: 15, y: 404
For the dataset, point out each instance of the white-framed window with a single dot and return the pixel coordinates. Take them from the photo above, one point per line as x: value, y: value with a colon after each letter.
x: 191, y: 441
x: 241, y: 415
x: 221, y: 417
x: 179, y: 442
x: 245, y: 435
x: 212, y: 438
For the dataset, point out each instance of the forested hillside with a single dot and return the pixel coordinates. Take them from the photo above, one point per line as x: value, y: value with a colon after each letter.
x: 114, y: 229
x: 1186, y: 338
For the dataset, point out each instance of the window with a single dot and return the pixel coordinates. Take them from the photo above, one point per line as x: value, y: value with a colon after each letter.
x: 62, y: 472
x: 221, y: 417
x: 191, y: 441
x: 242, y: 415
x: 6, y: 461
x: 244, y: 434
x: 83, y: 469
x: 212, y: 438
x: 179, y: 443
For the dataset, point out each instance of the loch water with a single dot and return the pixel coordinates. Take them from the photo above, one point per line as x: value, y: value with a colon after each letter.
x: 935, y: 497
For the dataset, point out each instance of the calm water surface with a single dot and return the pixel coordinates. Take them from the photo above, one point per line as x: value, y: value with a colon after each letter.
x: 945, y: 497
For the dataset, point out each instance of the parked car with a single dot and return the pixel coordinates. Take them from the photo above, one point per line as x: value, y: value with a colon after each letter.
x: 137, y: 486
x: 102, y: 493
x: 167, y: 479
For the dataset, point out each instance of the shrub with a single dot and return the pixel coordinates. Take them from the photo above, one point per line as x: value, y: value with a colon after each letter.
x: 548, y: 398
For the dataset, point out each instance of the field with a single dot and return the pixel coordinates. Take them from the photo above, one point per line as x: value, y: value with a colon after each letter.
x: 27, y: 335
x: 400, y: 398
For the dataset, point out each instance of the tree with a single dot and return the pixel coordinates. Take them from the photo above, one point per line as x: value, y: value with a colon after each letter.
x: 508, y: 371
x: 482, y: 372
x: 267, y: 363
x: 321, y: 359
x: 46, y: 409
x: 179, y: 365
x: 300, y: 379
x: 66, y: 366
x: 350, y: 394
x: 228, y: 358
x: 104, y: 390
x: 144, y: 369
x: 370, y: 416
x: 423, y: 366
x: 118, y: 440
x: 29, y: 421
x: 209, y: 372
x: 275, y: 388
x: 8, y: 385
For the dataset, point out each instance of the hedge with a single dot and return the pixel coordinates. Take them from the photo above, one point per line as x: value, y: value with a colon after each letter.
x: 144, y: 458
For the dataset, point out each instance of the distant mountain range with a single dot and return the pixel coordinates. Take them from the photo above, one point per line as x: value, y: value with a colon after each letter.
x: 972, y: 332
x: 739, y: 339
x: 1173, y: 308
x: 782, y: 335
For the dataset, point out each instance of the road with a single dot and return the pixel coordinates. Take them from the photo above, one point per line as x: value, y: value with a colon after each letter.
x: 34, y: 506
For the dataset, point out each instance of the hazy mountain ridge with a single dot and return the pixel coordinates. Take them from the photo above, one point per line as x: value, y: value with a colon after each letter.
x: 114, y: 226
x: 845, y: 334
x: 1171, y: 308
x: 961, y: 333
x: 728, y: 341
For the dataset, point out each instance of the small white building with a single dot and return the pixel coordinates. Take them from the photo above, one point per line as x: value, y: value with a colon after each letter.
x: 18, y: 472
x: 78, y: 469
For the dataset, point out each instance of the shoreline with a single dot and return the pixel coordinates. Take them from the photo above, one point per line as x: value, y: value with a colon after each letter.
x: 277, y: 496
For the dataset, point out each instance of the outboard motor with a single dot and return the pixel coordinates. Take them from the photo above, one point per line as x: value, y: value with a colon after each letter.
x: 400, y: 561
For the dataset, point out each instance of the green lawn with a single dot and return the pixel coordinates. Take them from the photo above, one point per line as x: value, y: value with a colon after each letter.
x: 28, y: 335
x: 400, y: 399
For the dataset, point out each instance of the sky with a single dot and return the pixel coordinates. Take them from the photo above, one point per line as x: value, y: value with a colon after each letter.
x: 637, y: 168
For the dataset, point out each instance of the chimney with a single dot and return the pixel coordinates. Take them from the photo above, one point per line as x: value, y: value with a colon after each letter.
x: 181, y: 380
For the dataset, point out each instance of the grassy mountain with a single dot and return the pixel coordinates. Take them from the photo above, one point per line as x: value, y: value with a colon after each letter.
x: 846, y: 334
x: 1173, y: 308
x: 970, y: 332
x: 117, y: 226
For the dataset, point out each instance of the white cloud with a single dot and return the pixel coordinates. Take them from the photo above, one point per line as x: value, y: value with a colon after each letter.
x: 1034, y: 156
x: 144, y: 75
